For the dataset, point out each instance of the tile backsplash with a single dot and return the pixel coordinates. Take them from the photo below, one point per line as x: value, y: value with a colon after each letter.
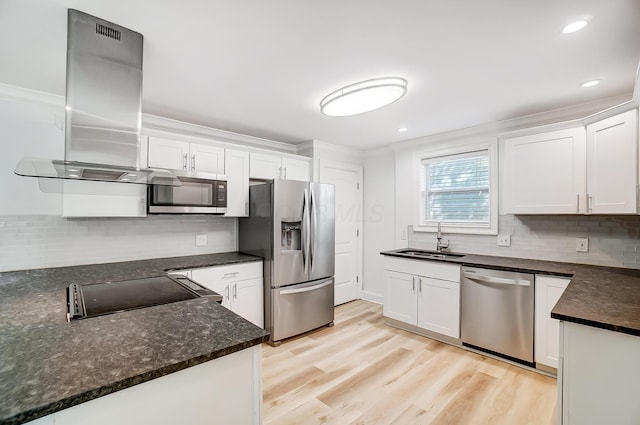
x: 38, y: 241
x: 613, y: 240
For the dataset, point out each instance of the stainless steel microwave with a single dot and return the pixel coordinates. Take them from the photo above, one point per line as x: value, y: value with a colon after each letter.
x: 198, y: 193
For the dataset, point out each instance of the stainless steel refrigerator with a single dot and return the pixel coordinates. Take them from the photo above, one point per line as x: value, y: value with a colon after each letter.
x: 291, y: 224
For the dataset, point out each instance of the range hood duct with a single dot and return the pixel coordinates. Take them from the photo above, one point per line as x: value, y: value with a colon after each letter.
x: 103, y: 108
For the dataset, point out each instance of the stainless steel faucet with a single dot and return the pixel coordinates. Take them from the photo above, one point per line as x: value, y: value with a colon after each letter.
x: 440, y: 246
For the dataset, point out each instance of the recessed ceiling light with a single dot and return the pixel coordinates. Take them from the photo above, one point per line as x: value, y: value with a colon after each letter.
x: 363, y: 97
x: 574, y: 26
x: 403, y: 130
x: 590, y: 83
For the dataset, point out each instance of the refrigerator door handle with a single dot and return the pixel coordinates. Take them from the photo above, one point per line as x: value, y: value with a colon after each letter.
x: 314, y: 228
x: 305, y: 232
x: 306, y: 288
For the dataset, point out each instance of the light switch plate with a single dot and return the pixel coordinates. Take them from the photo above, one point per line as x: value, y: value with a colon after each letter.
x: 582, y: 245
x: 201, y: 240
x: 504, y: 239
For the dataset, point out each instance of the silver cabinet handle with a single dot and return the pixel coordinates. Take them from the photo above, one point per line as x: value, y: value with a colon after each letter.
x: 246, y: 208
x: 226, y: 292
x: 230, y: 274
x: 193, y: 162
x: 279, y: 172
x: 184, y: 161
x: 420, y: 285
x: 578, y: 203
x: 235, y: 291
x: 589, y: 203
x: 496, y: 280
x: 306, y: 289
x: 285, y: 172
x: 413, y: 283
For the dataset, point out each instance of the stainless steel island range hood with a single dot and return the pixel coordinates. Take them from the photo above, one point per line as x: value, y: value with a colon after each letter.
x: 103, y: 108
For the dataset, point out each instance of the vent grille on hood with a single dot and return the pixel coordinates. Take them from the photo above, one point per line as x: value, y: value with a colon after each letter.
x: 108, y: 31
x: 103, y: 108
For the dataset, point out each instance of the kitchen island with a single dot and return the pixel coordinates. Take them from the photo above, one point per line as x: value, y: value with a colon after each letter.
x: 48, y: 365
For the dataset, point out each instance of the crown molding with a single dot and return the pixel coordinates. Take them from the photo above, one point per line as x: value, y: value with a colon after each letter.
x: 547, y: 120
x: 154, y: 122
x: 10, y: 92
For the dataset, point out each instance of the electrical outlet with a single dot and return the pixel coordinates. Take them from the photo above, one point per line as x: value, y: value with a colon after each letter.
x: 582, y: 245
x: 201, y: 240
x: 504, y: 239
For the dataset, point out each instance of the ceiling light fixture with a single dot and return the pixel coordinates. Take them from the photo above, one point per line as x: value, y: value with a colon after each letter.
x: 363, y: 97
x: 574, y: 26
x: 590, y: 83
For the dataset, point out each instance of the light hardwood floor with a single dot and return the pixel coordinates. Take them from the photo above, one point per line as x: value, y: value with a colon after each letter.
x: 362, y: 371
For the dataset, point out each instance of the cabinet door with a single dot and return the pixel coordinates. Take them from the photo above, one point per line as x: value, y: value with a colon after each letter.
x: 548, y: 292
x: 439, y: 306
x: 103, y: 199
x: 400, y: 297
x: 612, y: 161
x: 206, y: 159
x: 296, y: 169
x: 545, y: 173
x: 165, y: 153
x: 246, y: 301
x: 237, y: 170
x: 264, y: 166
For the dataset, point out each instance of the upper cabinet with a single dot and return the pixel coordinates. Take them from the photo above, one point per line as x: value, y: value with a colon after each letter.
x: 544, y: 173
x: 271, y: 166
x: 179, y: 155
x: 573, y: 171
x: 237, y: 166
x: 612, y: 162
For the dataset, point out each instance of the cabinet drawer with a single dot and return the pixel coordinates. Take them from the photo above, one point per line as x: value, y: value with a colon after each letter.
x: 434, y: 269
x: 228, y: 273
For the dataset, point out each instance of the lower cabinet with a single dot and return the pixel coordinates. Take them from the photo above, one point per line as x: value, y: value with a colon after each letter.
x: 598, y: 376
x: 547, y: 336
x: 241, y: 286
x: 424, y: 294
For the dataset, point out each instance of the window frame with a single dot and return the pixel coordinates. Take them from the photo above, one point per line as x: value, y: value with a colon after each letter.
x: 484, y: 228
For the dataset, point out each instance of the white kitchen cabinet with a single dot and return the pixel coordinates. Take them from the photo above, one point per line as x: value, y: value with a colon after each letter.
x: 236, y: 164
x: 400, y: 297
x: 547, y: 339
x: 424, y: 294
x: 573, y: 171
x: 103, y: 199
x: 598, y: 376
x: 271, y: 166
x: 241, y: 286
x: 612, y: 161
x: 180, y: 155
x: 544, y: 173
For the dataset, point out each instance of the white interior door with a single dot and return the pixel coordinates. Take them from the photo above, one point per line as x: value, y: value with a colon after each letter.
x: 347, y: 179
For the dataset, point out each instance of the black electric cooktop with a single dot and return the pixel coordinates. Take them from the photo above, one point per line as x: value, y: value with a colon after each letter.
x: 97, y: 299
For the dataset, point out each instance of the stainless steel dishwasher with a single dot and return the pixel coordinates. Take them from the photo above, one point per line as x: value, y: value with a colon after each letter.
x: 497, y: 313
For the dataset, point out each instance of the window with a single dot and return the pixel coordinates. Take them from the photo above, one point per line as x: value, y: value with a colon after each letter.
x: 457, y: 190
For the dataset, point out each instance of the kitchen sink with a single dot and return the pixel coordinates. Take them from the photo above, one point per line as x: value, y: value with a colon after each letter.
x: 422, y: 253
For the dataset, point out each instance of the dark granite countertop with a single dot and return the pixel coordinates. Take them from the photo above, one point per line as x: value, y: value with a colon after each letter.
x: 47, y: 364
x: 602, y: 297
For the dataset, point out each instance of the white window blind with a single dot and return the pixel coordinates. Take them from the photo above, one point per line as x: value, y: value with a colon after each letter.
x: 455, y: 189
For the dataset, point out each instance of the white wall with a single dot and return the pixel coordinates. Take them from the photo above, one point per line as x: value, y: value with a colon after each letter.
x: 28, y: 129
x: 378, y: 217
x: 34, y: 235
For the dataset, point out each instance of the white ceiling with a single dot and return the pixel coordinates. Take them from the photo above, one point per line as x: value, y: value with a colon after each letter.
x: 261, y: 67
